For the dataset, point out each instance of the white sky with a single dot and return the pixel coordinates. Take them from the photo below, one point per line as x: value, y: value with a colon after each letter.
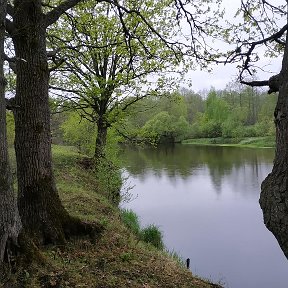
x: 222, y: 75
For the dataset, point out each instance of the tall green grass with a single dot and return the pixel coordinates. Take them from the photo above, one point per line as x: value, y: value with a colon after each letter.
x: 131, y: 220
x: 150, y: 234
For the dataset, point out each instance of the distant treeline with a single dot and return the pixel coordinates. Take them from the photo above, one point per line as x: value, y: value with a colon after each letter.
x: 173, y: 117
x: 228, y: 113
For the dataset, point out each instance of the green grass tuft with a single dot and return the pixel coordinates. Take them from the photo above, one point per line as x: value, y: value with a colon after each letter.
x: 131, y: 220
x: 150, y: 234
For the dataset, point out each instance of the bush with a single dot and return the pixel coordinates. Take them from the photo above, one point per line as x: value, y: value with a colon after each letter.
x: 151, y: 234
x: 212, y: 129
x: 265, y: 128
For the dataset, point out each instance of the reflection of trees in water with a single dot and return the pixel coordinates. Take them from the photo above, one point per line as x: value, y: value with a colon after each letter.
x: 233, y: 165
x: 250, y: 173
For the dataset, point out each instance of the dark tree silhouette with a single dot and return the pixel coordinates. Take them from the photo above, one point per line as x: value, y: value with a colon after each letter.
x: 265, y: 32
x: 10, y: 223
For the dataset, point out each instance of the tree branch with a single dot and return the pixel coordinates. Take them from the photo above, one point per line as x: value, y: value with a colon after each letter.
x: 57, y: 65
x: 255, y: 83
x: 55, y: 14
x: 274, y: 83
x: 65, y: 90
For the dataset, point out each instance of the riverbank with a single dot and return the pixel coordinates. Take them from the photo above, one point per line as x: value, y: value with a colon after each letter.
x: 251, y: 142
x: 117, y: 258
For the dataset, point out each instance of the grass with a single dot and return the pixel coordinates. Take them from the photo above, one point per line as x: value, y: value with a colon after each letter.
x: 131, y: 220
x: 252, y: 142
x: 117, y: 259
x: 150, y: 234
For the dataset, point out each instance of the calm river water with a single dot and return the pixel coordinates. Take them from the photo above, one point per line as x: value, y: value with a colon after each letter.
x: 205, y: 201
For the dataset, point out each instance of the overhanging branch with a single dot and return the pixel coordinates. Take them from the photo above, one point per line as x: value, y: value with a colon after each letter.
x: 52, y: 16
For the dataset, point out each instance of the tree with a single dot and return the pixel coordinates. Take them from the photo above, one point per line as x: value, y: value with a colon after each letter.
x: 10, y: 223
x: 43, y: 217
x: 194, y: 102
x: 215, y: 114
x: 115, y: 61
x: 164, y: 128
x: 260, y: 29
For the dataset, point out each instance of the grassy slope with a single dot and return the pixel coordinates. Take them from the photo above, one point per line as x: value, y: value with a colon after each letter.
x: 253, y: 142
x: 117, y: 259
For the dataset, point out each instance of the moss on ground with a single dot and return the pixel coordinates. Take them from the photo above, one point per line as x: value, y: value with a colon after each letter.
x: 116, y: 259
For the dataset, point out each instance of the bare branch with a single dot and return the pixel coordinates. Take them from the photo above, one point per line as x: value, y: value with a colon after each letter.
x: 274, y: 7
x: 238, y: 53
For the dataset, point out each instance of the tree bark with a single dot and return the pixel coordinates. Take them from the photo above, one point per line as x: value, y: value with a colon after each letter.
x: 274, y: 189
x: 101, y: 138
x: 10, y: 223
x: 43, y: 215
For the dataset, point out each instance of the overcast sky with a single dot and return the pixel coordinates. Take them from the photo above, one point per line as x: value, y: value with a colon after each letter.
x: 222, y: 75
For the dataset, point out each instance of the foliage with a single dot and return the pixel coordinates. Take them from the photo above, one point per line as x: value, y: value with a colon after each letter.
x: 152, y: 235
x: 117, y: 69
x: 79, y: 132
x: 160, y: 128
x: 109, y: 179
x: 82, y: 134
x: 160, y: 119
x: 230, y: 113
x: 235, y: 113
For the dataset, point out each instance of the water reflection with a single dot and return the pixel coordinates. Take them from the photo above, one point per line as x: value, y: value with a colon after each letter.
x: 235, y: 165
x: 205, y: 200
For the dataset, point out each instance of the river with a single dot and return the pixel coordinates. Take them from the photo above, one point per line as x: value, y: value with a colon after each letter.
x: 205, y: 201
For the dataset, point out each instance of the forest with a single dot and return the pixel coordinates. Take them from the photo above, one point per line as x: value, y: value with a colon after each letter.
x: 234, y: 113
x: 92, y: 74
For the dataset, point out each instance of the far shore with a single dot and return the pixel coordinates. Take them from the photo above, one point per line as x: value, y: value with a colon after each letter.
x: 251, y: 142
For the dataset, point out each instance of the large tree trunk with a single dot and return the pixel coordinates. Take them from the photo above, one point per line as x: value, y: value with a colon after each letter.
x: 274, y: 189
x: 10, y: 223
x: 43, y: 216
